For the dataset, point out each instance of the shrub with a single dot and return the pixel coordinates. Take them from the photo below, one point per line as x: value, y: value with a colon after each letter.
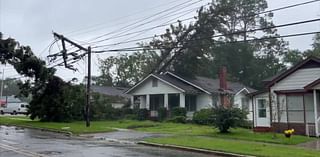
x: 246, y: 124
x: 203, y: 117
x: 179, y: 111
x: 142, y: 114
x: 162, y: 114
x: 226, y: 118
x: 131, y: 117
x: 178, y: 119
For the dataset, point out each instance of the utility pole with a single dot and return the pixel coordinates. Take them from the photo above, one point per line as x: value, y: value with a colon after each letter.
x: 74, y: 58
x: 88, y: 100
x: 2, y: 84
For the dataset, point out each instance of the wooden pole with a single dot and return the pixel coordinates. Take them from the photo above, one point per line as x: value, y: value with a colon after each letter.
x: 88, y: 89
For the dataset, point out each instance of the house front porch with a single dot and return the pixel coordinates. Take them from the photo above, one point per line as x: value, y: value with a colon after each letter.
x: 153, y: 102
x: 298, y: 110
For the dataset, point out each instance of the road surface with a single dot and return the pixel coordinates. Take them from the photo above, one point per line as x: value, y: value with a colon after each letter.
x: 17, y: 142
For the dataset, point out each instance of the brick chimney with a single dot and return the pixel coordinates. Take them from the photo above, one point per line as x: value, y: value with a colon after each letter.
x: 225, y: 101
x: 223, y: 78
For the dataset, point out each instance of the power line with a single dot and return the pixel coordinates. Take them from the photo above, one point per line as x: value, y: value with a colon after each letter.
x: 239, y: 32
x: 117, y: 19
x: 144, y: 19
x: 219, y: 42
x: 272, y: 10
x: 186, y: 12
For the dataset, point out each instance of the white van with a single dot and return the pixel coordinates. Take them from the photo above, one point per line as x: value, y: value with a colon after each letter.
x: 15, y: 108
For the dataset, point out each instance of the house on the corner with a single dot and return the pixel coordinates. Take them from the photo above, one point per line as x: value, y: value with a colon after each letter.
x: 291, y: 100
x: 116, y: 95
x: 170, y: 90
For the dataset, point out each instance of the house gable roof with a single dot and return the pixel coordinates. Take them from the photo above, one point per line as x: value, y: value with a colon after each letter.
x: 111, y: 91
x: 209, y: 85
x: 196, y: 85
x: 164, y: 79
x: 310, y: 62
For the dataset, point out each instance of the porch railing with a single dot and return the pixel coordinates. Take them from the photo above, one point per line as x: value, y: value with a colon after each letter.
x: 311, y: 129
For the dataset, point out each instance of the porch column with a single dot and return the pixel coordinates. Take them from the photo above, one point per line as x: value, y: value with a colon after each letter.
x: 166, y: 101
x: 148, y: 101
x: 182, y: 100
x: 132, y: 101
x: 315, y: 112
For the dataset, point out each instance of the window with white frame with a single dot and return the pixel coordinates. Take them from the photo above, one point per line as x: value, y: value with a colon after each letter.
x: 262, y: 108
x: 295, y: 108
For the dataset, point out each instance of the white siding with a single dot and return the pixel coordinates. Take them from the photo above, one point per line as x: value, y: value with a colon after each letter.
x: 238, y: 103
x: 298, y: 79
x: 204, y: 101
x: 146, y: 88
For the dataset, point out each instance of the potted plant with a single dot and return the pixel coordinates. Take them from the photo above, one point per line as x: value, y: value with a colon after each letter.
x: 288, y: 133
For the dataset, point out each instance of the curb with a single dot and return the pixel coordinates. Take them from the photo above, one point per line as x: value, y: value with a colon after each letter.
x: 197, y: 150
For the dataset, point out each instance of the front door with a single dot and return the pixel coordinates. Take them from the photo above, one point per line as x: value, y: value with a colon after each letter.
x: 156, y: 102
x: 262, y: 110
x: 173, y: 100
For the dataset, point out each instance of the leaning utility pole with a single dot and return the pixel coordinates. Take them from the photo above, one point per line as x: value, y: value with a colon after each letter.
x: 74, y: 58
x: 2, y: 84
x: 88, y: 100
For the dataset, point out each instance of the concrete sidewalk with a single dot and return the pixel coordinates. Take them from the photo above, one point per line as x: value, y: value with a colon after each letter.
x: 311, y: 145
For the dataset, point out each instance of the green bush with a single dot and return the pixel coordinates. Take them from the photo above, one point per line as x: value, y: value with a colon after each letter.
x: 130, y: 117
x: 178, y: 111
x: 142, y: 114
x: 178, y: 119
x: 246, y: 124
x: 203, y: 117
x: 226, y: 118
x: 162, y: 113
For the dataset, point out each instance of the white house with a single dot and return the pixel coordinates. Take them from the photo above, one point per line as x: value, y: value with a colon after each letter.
x: 291, y: 100
x: 170, y: 90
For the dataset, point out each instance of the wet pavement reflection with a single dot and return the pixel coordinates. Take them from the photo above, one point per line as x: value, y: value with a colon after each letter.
x: 18, y: 142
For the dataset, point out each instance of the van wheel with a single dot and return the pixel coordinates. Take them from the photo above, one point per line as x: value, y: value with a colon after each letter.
x: 1, y: 112
x: 14, y: 113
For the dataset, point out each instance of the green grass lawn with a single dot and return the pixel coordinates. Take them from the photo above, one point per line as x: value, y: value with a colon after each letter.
x: 236, y: 134
x: 155, y: 127
x: 242, y: 141
x: 236, y: 146
x: 74, y: 127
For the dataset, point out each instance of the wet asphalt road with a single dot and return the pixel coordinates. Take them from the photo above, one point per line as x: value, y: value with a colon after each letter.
x: 17, y: 142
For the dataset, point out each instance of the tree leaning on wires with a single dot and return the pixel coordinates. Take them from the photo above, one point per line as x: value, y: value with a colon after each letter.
x: 50, y: 94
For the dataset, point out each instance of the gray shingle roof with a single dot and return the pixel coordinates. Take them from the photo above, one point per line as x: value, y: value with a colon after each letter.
x: 111, y: 91
x: 180, y: 84
x: 213, y: 85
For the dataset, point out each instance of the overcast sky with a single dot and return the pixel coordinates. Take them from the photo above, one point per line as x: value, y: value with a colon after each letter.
x: 31, y: 22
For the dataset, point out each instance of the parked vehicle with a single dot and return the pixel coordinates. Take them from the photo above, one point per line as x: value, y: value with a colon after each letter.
x: 15, y: 108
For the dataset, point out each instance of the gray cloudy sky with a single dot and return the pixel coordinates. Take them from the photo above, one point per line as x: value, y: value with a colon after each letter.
x: 31, y: 22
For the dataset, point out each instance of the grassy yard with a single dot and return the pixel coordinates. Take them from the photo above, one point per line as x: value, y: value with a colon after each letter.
x: 242, y: 141
x: 236, y: 146
x: 236, y: 134
x: 74, y: 127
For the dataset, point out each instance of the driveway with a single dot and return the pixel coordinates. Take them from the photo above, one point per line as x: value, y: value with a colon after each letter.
x: 123, y: 135
x: 17, y: 142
